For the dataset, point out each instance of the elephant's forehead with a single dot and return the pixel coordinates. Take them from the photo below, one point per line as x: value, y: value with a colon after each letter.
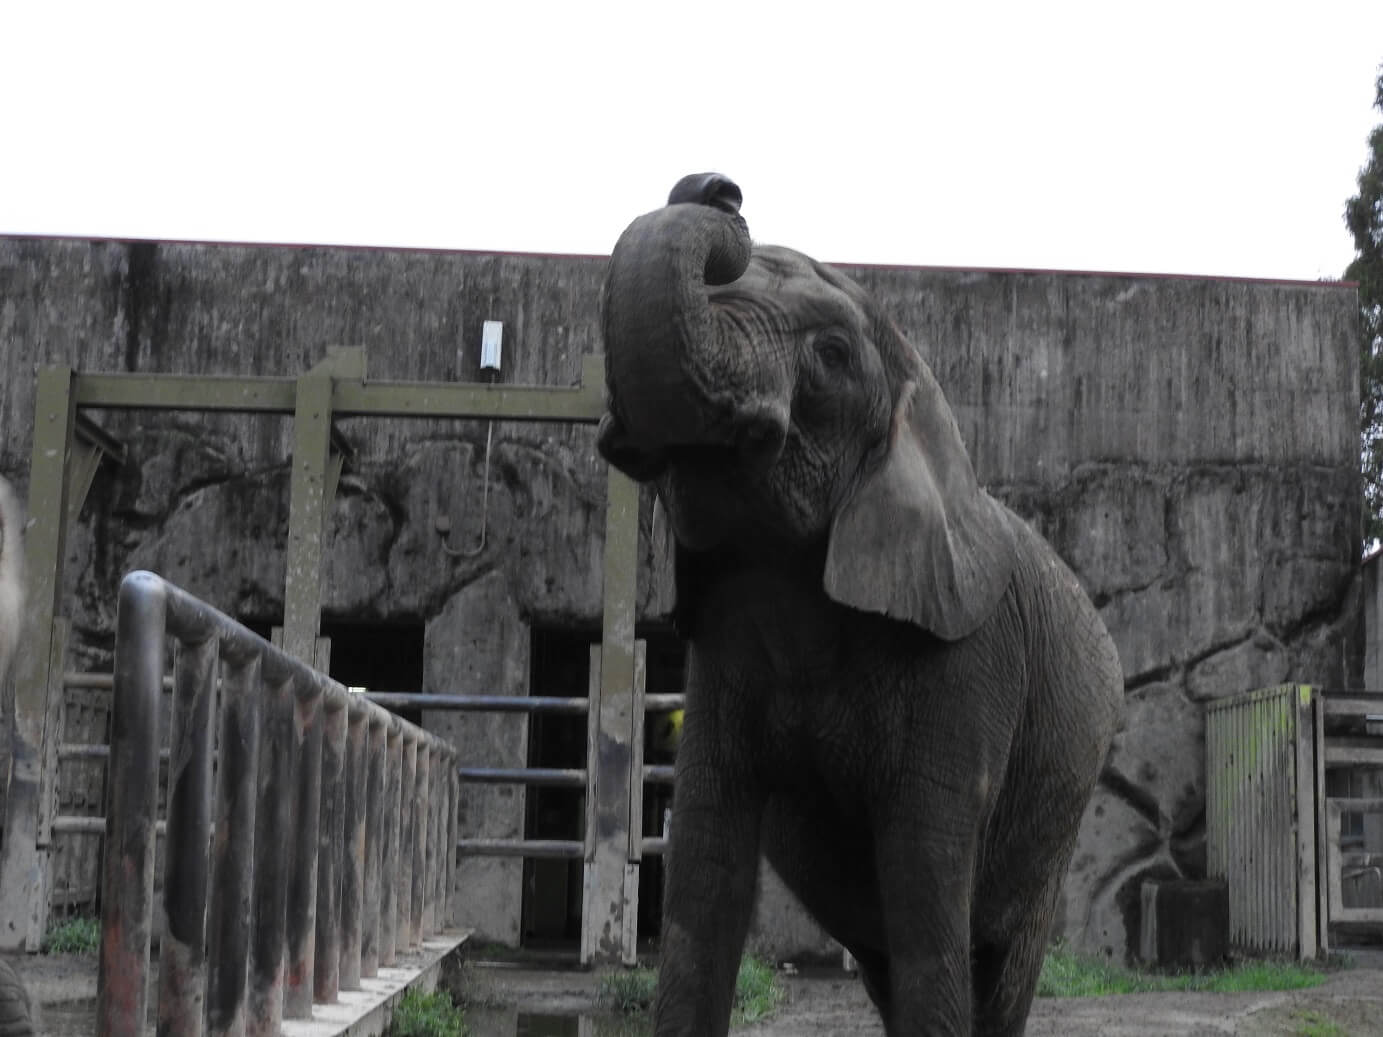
x: 793, y: 283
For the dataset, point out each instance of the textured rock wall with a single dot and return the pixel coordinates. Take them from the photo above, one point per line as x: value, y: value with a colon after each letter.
x: 1187, y: 445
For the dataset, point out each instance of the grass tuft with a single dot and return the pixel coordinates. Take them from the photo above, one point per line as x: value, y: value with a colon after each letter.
x: 629, y: 990
x: 1066, y: 974
x: 757, y: 992
x: 73, y: 936
x: 427, y: 1015
x: 1314, y: 1024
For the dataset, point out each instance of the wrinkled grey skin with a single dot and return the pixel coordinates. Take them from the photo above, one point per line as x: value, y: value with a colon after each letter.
x: 14, y: 1001
x: 896, y: 690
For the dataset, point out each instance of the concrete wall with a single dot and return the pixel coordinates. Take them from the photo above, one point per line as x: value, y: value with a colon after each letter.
x: 1188, y: 445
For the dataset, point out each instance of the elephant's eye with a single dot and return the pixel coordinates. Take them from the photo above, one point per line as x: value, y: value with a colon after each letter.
x: 834, y: 352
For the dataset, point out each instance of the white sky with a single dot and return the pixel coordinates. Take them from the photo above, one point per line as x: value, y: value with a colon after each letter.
x: 1207, y: 137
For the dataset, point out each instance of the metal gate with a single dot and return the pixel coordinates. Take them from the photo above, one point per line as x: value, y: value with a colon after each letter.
x: 1273, y: 832
x: 306, y: 833
x: 66, y: 451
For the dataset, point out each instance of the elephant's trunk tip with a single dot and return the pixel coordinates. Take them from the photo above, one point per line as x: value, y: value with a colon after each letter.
x: 713, y: 189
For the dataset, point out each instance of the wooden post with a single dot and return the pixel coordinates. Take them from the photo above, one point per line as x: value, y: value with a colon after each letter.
x: 608, y: 759
x: 24, y: 865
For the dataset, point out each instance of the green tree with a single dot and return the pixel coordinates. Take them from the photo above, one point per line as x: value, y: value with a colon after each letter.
x: 1364, y: 217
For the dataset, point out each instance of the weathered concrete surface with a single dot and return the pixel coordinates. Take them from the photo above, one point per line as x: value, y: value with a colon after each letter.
x: 1188, y: 445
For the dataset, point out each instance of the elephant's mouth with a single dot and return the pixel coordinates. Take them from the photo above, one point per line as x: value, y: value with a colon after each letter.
x: 749, y: 445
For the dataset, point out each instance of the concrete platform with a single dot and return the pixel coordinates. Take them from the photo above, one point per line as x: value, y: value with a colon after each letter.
x: 358, y: 1013
x: 62, y: 988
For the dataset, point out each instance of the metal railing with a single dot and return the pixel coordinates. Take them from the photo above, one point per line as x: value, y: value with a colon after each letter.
x: 628, y: 843
x: 323, y: 860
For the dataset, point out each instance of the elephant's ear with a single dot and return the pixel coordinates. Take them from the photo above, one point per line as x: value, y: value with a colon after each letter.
x: 919, y: 539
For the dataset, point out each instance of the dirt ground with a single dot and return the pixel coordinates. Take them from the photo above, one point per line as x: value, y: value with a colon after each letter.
x: 835, y: 1004
x: 829, y: 1006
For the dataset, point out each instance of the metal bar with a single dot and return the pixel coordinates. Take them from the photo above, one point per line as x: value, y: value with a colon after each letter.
x: 300, y: 923
x: 374, y: 805
x: 185, y: 392
x: 128, y: 886
x: 353, y: 859
x: 331, y: 839
x: 1352, y: 755
x: 1322, y: 838
x: 1353, y: 706
x: 182, y: 951
x: 408, y: 823
x: 233, y: 859
x: 432, y: 853
x: 477, y: 703
x: 70, y: 824
x: 418, y: 902
x: 272, y: 851
x: 659, y: 773
x: 655, y: 846
x: 23, y: 864
x: 302, y: 592
x: 584, y: 405
x: 664, y: 703
x: 551, y: 777
x: 535, y: 848
x: 389, y: 843
x: 451, y: 835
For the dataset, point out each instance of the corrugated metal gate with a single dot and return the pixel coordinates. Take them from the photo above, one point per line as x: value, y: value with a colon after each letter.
x: 1260, y: 799
x: 1273, y: 831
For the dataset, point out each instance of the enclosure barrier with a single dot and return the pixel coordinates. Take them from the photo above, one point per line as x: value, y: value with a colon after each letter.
x: 634, y: 845
x: 1260, y: 805
x: 325, y: 856
x: 1272, y: 830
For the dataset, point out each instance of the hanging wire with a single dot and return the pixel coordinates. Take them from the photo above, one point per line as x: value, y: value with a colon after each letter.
x: 460, y: 552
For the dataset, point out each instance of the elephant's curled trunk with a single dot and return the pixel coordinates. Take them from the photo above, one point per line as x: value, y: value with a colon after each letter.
x: 666, y: 370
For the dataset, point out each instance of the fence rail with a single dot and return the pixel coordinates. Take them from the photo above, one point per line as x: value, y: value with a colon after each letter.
x: 318, y: 796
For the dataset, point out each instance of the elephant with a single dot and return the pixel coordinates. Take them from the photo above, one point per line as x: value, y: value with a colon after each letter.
x: 14, y: 1000
x: 896, y: 691
x: 11, y: 575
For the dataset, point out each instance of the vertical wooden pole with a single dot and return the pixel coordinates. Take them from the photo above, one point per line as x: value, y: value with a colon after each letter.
x: 602, y: 921
x: 24, y: 864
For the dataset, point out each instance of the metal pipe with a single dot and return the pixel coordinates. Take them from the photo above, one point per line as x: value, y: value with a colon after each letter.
x: 408, y: 818
x: 389, y: 843
x: 326, y: 969
x: 228, y: 924
x: 374, y: 802
x: 353, y: 858
x: 273, y: 849
x: 551, y: 777
x: 182, y: 952
x: 544, y: 848
x: 436, y: 858
x: 128, y: 884
x: 420, y: 826
x: 477, y: 703
x: 309, y: 722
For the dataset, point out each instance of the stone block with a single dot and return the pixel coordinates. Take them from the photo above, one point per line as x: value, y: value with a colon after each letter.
x: 1185, y: 923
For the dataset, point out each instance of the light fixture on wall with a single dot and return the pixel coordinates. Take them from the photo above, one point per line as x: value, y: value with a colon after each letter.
x: 491, y: 353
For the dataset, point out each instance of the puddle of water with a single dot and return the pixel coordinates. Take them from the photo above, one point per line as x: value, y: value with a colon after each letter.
x: 500, y: 1022
x: 548, y: 1026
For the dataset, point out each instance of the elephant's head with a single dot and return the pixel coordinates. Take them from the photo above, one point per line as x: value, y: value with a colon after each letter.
x: 776, y: 406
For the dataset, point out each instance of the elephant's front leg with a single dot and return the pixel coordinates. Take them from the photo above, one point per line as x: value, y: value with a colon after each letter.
x: 926, y: 880
x: 712, y: 868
